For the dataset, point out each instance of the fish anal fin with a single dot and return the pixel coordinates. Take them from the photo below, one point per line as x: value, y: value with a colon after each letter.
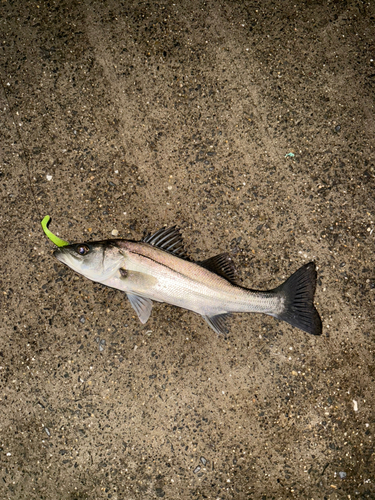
x: 141, y: 306
x: 222, y: 265
x: 167, y: 239
x: 219, y: 323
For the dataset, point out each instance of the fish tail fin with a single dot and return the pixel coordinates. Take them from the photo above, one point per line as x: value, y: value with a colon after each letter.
x: 298, y: 294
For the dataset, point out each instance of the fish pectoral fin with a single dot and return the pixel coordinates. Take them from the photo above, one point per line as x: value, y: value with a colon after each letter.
x: 222, y: 265
x: 219, y: 323
x: 141, y: 306
x: 135, y: 279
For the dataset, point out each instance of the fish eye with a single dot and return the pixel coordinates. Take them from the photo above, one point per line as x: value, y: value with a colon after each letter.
x: 82, y: 249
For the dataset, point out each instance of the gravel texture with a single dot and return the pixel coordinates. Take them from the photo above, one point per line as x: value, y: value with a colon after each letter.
x: 134, y: 115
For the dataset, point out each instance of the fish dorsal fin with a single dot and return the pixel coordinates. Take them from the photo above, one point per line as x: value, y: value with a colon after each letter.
x: 219, y: 323
x: 167, y: 239
x: 223, y: 266
x: 141, y: 306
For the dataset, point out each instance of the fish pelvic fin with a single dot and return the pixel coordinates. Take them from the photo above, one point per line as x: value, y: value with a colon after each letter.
x: 298, y: 294
x: 141, y: 306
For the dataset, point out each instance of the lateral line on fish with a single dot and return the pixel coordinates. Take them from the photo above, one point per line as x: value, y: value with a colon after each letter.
x: 184, y: 275
x: 159, y: 263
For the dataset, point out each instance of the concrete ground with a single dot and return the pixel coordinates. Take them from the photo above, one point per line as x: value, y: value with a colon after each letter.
x: 134, y: 115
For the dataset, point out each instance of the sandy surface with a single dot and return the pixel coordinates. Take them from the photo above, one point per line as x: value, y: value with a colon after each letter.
x: 135, y: 115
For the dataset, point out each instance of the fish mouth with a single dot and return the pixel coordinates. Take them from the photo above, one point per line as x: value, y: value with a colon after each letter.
x: 66, y: 256
x: 59, y: 254
x: 71, y: 259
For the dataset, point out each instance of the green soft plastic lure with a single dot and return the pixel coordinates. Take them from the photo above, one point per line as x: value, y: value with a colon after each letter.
x: 55, y: 239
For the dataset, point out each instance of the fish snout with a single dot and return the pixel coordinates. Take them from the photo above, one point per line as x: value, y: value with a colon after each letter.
x: 59, y: 254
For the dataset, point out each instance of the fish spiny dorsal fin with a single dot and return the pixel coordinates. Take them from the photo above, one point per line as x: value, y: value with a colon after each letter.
x: 167, y: 239
x: 223, y: 266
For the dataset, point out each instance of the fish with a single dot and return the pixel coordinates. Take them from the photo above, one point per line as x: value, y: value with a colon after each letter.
x: 157, y: 269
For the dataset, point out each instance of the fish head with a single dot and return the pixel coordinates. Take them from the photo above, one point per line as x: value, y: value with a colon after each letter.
x: 97, y: 261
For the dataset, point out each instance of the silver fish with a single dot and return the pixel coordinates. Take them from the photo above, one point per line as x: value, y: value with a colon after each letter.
x: 156, y: 269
